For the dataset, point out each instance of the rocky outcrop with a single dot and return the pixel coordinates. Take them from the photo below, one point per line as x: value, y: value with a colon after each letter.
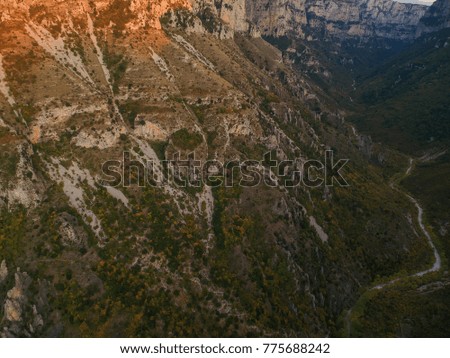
x: 436, y: 18
x: 341, y: 19
x: 310, y: 19
x: 21, y: 315
x: 233, y: 13
x: 16, y: 298
x: 3, y: 272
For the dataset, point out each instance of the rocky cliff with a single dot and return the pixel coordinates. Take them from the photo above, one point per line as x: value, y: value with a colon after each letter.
x: 88, y: 83
x: 436, y: 18
x: 343, y: 19
x: 309, y: 19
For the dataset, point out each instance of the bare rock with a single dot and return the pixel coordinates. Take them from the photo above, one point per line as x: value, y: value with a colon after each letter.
x: 343, y: 19
x: 13, y: 310
x: 15, y: 298
x: 3, y: 271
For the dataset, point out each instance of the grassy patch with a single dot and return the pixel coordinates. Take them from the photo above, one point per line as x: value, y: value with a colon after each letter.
x: 117, y: 65
x: 186, y: 140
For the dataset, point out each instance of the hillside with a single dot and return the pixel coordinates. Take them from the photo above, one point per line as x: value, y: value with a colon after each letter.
x: 95, y: 91
x: 405, y: 103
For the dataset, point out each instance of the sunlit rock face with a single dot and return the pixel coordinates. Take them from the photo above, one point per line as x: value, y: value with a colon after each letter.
x: 336, y: 18
x: 314, y: 19
x: 223, y: 17
x: 129, y: 14
x: 148, y: 13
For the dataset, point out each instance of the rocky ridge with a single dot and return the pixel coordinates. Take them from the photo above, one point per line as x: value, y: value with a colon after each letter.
x: 336, y: 19
x: 85, y: 82
x: 436, y: 18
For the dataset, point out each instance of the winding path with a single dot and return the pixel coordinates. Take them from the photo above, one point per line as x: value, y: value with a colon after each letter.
x: 437, y: 258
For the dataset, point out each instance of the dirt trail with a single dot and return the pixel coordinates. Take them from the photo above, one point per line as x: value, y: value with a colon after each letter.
x: 437, y: 264
x: 437, y: 258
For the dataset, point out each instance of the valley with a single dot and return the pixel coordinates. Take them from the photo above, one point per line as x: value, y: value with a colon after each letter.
x: 88, y: 85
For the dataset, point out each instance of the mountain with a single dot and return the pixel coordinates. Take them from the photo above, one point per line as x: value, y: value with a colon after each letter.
x: 403, y: 102
x: 349, y: 19
x: 140, y: 91
x: 406, y: 100
x: 436, y: 18
x: 333, y: 43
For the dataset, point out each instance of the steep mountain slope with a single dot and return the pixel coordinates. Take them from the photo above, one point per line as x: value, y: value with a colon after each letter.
x: 406, y: 101
x: 334, y: 43
x: 436, y: 18
x: 88, y: 82
x: 361, y: 20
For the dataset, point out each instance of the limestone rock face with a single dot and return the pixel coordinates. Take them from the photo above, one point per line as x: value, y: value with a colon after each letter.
x: 234, y: 13
x: 15, y: 298
x: 342, y: 19
x: 436, y: 18
x: 149, y: 12
x: 13, y: 309
x: 314, y: 19
x: 3, y: 271
x: 134, y: 14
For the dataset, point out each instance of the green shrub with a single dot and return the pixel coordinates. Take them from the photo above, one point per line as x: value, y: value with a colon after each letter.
x: 186, y: 140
